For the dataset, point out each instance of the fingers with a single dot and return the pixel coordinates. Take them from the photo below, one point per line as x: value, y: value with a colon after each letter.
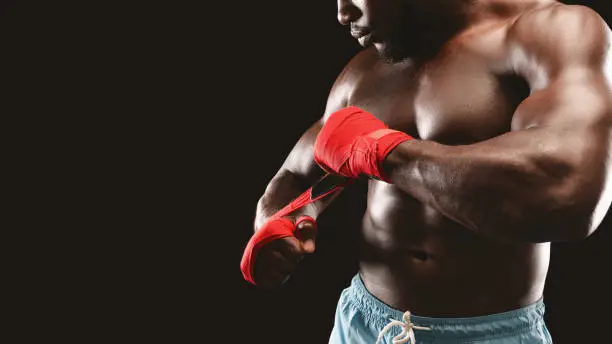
x: 276, y: 261
x: 272, y: 268
x: 284, y: 265
x: 271, y: 279
x: 290, y: 248
x: 306, y: 233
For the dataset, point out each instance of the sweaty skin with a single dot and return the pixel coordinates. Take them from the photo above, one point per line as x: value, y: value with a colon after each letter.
x: 421, y: 249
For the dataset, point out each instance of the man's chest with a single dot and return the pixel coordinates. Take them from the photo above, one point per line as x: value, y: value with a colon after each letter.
x: 457, y: 101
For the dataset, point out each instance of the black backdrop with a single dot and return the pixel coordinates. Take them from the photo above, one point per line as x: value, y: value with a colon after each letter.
x: 163, y: 124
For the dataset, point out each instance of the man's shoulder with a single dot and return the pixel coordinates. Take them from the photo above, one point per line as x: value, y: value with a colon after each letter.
x: 557, y: 12
x: 362, y: 61
x: 360, y: 65
x: 543, y: 43
x: 558, y: 26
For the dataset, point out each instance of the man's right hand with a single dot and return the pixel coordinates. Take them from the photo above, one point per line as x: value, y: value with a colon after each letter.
x: 277, y: 260
x: 276, y: 248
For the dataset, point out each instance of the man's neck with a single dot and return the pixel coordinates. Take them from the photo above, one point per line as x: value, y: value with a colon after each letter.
x: 465, y: 15
x: 477, y: 11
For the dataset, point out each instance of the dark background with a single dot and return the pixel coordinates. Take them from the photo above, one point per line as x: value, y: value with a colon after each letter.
x: 148, y: 132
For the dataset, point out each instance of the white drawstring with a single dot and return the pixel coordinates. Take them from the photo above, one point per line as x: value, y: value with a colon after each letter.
x: 407, y: 330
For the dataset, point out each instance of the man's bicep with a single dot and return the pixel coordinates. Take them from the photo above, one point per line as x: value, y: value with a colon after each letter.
x: 300, y: 160
x: 564, y: 124
x: 581, y: 100
x: 545, y: 42
x: 563, y: 53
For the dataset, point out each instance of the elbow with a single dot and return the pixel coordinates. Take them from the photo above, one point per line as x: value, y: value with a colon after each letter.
x: 586, y: 204
x: 260, y: 217
x: 577, y: 189
x: 577, y: 229
x: 571, y: 201
x: 574, y: 228
x: 547, y: 215
x: 542, y: 225
x: 573, y: 217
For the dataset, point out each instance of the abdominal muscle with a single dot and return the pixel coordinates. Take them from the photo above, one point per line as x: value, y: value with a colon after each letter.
x: 413, y: 258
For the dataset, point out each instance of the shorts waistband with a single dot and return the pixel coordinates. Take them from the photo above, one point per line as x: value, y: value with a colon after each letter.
x: 500, y: 324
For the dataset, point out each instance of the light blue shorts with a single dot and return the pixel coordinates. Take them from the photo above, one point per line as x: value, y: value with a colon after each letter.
x: 360, y: 317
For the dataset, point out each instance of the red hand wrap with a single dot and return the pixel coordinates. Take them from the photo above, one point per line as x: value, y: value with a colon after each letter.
x: 277, y: 227
x: 354, y: 142
x: 274, y: 228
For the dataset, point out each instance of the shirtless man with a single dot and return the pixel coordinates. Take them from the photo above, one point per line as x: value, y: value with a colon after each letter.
x: 499, y: 115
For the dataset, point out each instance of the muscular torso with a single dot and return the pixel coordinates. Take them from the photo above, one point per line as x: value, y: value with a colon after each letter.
x: 412, y: 257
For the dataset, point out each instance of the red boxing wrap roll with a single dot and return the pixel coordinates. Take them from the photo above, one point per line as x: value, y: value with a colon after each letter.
x: 276, y: 227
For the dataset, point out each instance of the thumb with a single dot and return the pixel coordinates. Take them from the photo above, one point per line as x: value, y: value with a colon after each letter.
x: 306, y: 232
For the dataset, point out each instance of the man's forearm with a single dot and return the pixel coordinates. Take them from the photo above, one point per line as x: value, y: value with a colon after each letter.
x: 284, y: 188
x: 503, y: 189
